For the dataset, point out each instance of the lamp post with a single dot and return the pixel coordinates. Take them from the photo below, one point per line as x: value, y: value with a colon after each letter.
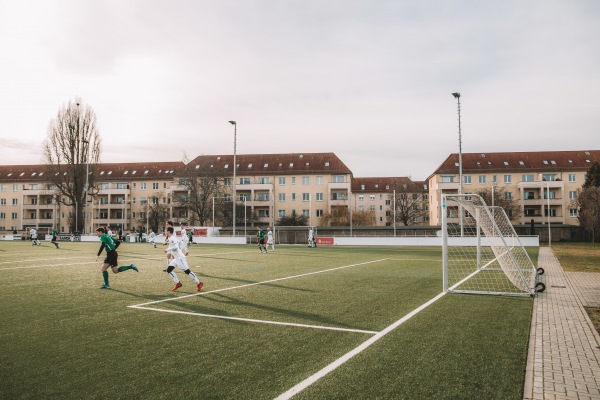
x: 549, y: 231
x: 394, y: 205
x: 234, y: 168
x: 87, y: 174
x: 460, y: 177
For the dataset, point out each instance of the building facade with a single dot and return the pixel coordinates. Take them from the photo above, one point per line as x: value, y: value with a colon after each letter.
x: 543, y: 184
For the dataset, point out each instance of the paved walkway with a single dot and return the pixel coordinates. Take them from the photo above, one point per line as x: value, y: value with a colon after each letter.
x: 564, y: 348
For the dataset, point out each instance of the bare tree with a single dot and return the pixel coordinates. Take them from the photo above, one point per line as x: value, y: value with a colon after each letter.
x: 72, y: 148
x: 408, y: 202
x: 202, y: 183
x: 339, y: 216
x: 501, y: 199
x: 157, y: 214
x: 588, y: 202
x: 363, y: 218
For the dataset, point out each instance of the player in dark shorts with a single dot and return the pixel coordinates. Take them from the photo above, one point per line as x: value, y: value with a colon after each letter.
x: 111, y: 257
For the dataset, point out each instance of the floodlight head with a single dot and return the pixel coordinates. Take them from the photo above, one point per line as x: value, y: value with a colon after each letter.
x: 456, y: 94
x: 232, y: 122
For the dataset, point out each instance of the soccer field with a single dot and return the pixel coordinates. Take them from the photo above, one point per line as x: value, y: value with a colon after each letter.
x: 331, y: 322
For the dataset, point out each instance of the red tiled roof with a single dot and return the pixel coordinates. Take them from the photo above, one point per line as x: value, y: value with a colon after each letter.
x: 542, y: 161
x: 106, y: 172
x: 387, y: 184
x: 279, y: 164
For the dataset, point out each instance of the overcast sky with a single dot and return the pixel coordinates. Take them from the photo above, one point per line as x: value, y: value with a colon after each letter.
x: 370, y: 80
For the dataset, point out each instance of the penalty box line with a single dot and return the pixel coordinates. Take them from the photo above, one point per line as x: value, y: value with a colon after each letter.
x: 143, y: 306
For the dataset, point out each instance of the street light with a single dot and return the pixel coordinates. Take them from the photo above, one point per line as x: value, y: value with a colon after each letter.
x: 460, y: 186
x: 87, y: 174
x: 234, y: 168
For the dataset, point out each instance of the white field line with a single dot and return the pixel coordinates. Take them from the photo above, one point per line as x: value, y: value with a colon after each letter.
x: 134, y: 257
x: 320, y: 374
x: 256, y: 320
x: 256, y: 283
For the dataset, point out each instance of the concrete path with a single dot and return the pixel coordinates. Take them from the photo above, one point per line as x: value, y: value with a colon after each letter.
x: 564, y: 352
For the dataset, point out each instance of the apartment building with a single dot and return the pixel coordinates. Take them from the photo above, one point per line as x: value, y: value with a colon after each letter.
x: 543, y: 183
x: 28, y: 199
x: 278, y: 185
x: 376, y: 197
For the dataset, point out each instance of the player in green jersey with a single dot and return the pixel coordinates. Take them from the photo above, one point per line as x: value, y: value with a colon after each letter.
x: 111, y: 257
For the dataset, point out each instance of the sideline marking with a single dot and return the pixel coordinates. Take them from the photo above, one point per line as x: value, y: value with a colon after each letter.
x: 257, y: 320
x: 320, y: 374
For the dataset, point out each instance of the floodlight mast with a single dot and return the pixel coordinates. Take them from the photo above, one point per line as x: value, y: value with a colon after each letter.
x: 460, y: 177
x: 234, y: 168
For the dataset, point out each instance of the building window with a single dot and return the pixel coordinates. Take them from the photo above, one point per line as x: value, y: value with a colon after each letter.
x: 361, y: 197
x: 281, y: 213
x: 507, y: 178
x: 528, y: 195
x: 13, y: 215
x: 319, y: 196
x: 548, y: 177
x: 306, y: 180
x: 293, y: 196
x: 572, y: 178
x: 319, y: 213
x: 244, y: 181
x: 15, y: 202
x: 372, y: 197
x: 467, y: 179
x: 305, y: 213
x: 263, y: 213
x: 572, y: 212
x: 263, y: 180
x: 361, y: 208
x: 448, y: 179
x: 305, y: 196
x: 338, y: 179
x: 507, y: 195
x: 572, y: 195
x: 281, y: 196
x: 143, y: 186
x: 319, y: 180
x: 372, y: 207
x: 527, y: 178
x: 155, y: 185
x: 282, y: 180
x: 494, y: 178
x: 293, y: 180
x: 481, y: 178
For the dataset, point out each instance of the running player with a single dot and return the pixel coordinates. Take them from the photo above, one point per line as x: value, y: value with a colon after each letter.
x: 175, y: 248
x: 111, y: 257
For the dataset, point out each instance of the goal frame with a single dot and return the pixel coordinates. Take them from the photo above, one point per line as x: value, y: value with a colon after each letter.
x: 509, y: 257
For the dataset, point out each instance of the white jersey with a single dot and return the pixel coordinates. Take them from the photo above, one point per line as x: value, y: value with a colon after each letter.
x: 269, y: 237
x: 33, y: 233
x: 152, y: 237
x: 310, y: 235
x: 184, y: 238
x: 175, y: 247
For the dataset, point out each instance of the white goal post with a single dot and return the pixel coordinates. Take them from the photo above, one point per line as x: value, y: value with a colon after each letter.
x: 482, y: 252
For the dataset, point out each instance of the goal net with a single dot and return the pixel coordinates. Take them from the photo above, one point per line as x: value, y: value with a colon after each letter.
x: 481, y: 250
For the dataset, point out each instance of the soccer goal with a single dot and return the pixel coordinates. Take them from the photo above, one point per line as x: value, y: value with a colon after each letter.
x: 482, y: 252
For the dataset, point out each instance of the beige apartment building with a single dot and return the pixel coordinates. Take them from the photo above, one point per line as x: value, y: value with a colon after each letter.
x: 543, y: 183
x: 375, y: 196
x: 311, y: 184
x: 270, y: 185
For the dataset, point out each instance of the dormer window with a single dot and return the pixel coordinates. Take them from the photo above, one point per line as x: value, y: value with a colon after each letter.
x: 291, y: 164
x: 327, y: 163
x: 545, y: 162
x: 266, y: 165
x: 226, y: 166
x: 505, y: 162
x: 521, y: 163
x: 125, y: 173
x: 250, y: 165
